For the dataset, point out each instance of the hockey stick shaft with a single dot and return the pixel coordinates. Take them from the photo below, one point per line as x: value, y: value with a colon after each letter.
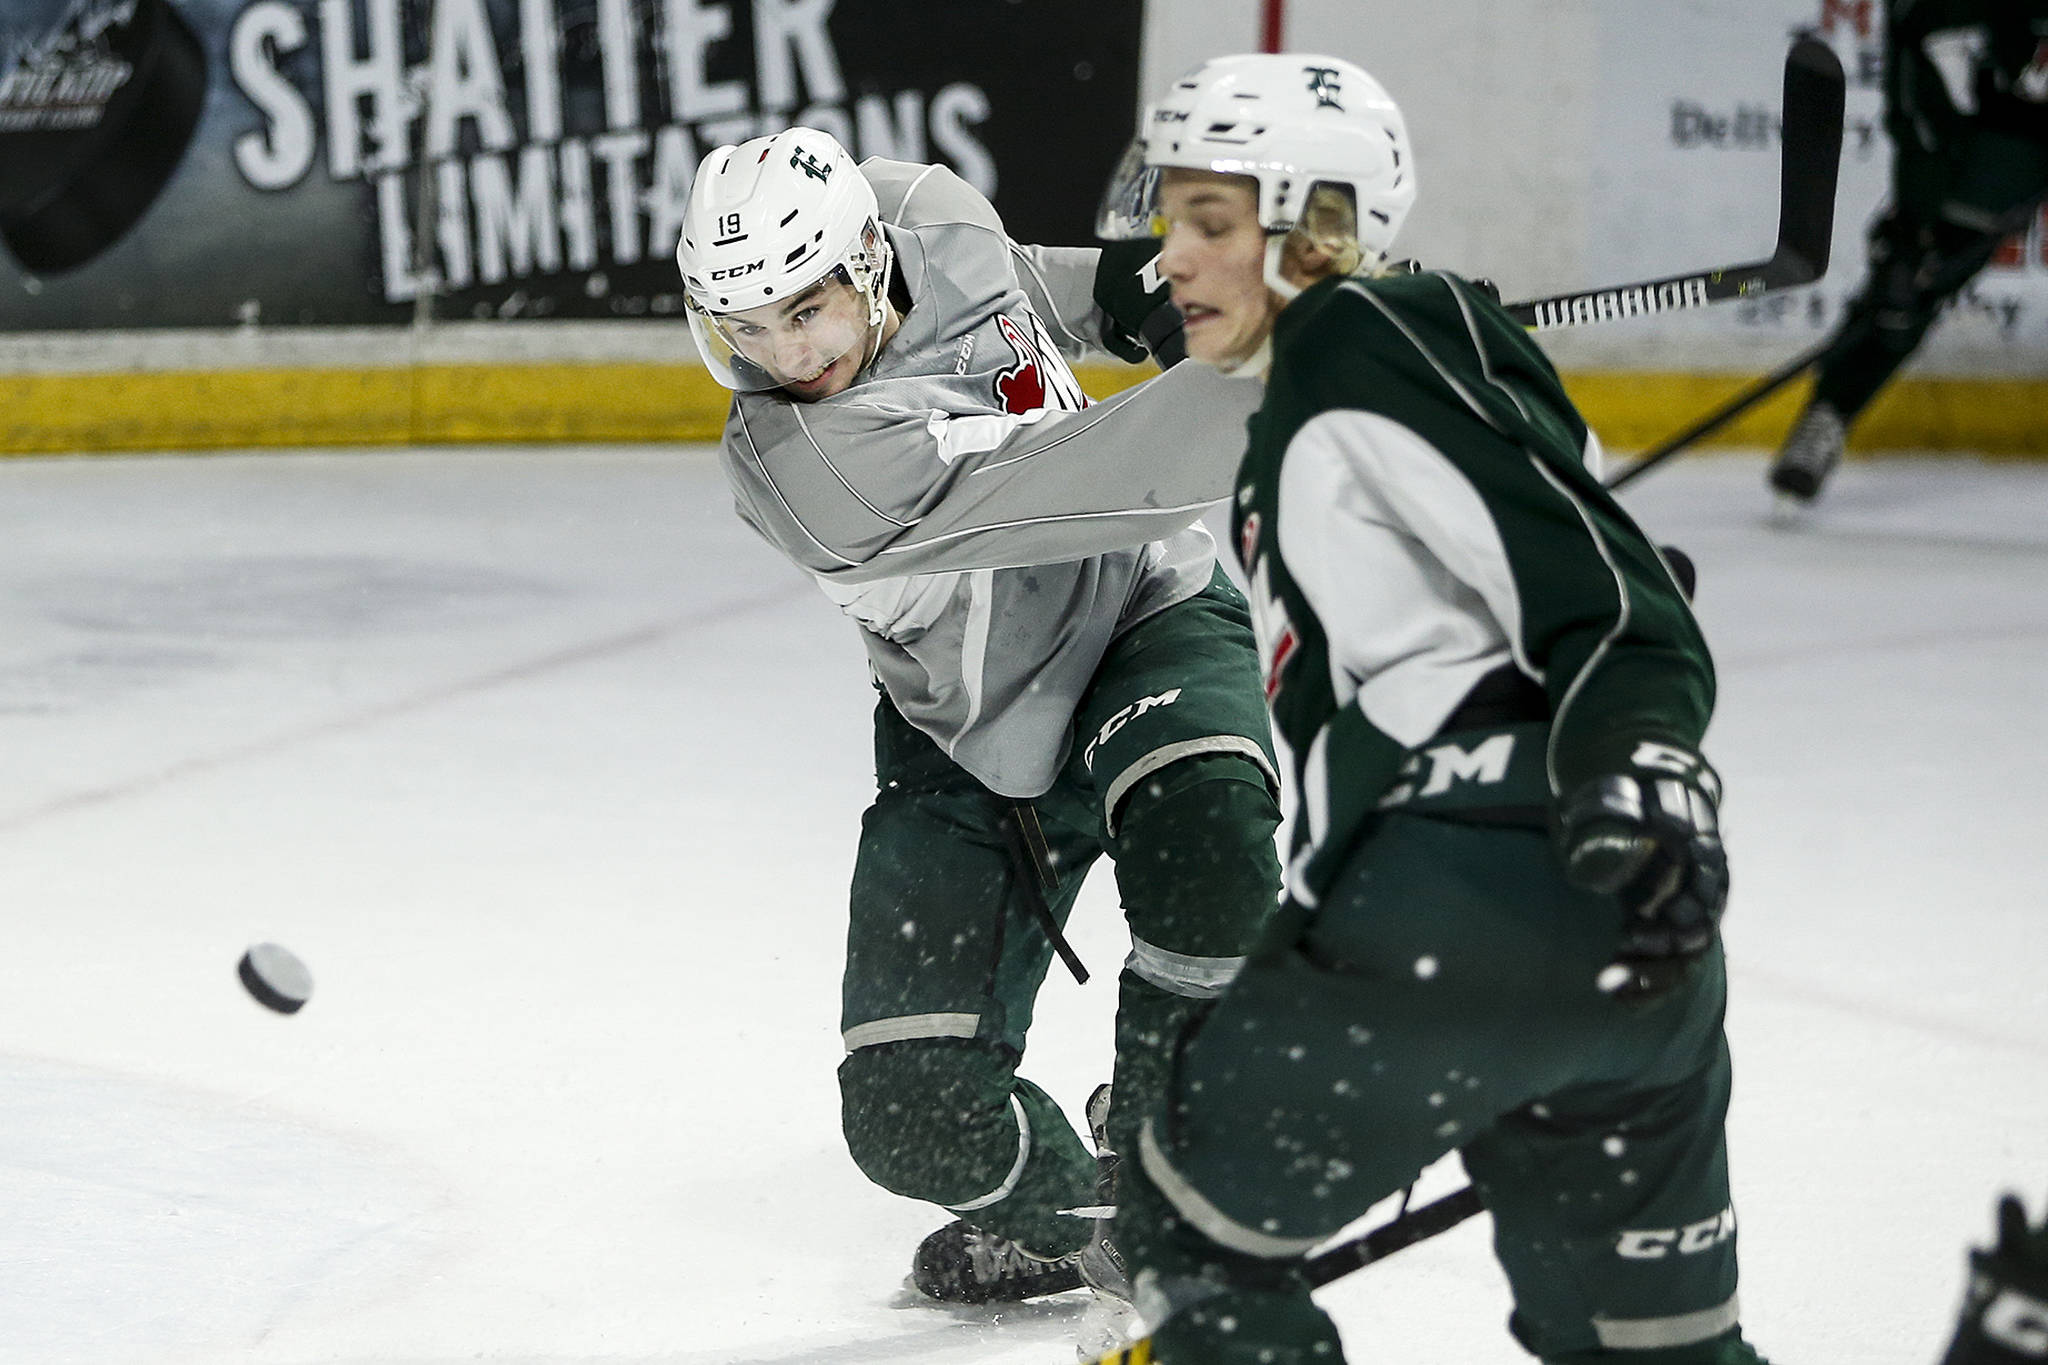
x: 1950, y: 277
x: 1418, y: 1225
x: 1742, y: 402
x: 1810, y: 160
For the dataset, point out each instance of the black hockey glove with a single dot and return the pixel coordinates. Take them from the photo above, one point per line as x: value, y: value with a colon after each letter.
x: 1133, y: 296
x: 1650, y: 836
x: 2004, y: 1319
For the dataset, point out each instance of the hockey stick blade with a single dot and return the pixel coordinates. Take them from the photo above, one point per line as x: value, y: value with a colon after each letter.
x: 1810, y: 158
x: 1810, y: 164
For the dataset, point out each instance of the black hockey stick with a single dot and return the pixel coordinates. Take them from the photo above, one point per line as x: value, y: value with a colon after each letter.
x: 1810, y: 157
x: 1437, y: 1216
x: 1726, y: 413
x: 1416, y: 1225
x: 1951, y: 276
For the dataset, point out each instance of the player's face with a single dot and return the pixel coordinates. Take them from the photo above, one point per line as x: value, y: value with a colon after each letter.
x: 1214, y: 259
x: 812, y: 344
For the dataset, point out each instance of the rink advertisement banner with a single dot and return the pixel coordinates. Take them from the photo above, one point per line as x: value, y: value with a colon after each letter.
x: 181, y: 163
x: 1684, y: 173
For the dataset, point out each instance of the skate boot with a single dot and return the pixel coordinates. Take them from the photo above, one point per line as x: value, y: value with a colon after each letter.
x: 962, y: 1264
x: 1102, y: 1266
x: 1810, y: 453
x: 1099, y: 1262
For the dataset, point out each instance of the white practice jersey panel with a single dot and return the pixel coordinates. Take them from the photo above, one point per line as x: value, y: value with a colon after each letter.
x: 1365, y: 500
x: 990, y: 529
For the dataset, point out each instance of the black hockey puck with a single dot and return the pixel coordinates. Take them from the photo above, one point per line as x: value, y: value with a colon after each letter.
x: 276, y: 977
x: 96, y: 112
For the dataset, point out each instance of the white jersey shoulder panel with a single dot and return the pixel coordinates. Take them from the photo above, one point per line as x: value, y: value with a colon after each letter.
x: 1396, y: 553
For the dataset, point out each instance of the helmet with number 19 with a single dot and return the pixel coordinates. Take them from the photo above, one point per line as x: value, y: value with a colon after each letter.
x: 1291, y: 122
x: 785, y: 266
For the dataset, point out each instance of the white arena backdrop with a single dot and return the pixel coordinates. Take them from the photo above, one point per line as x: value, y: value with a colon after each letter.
x: 1688, y: 156
x: 1561, y: 144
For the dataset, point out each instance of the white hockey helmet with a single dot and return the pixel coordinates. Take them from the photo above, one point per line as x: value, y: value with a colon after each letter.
x: 766, y: 220
x: 1289, y: 121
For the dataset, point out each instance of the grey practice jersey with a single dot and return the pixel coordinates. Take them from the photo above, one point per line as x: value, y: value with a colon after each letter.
x: 966, y: 505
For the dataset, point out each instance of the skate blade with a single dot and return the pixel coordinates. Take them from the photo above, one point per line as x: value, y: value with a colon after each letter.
x: 1109, y: 1328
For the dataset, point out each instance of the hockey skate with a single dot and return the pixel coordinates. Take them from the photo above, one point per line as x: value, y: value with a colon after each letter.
x: 1810, y: 453
x: 962, y: 1264
x: 1099, y: 1262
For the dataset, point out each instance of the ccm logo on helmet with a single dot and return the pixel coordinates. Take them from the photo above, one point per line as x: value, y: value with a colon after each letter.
x: 733, y: 272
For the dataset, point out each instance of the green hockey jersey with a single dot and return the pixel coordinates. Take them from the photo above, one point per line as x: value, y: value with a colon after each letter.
x: 1416, y: 513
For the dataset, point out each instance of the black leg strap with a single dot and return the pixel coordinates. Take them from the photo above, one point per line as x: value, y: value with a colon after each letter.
x: 1041, y: 883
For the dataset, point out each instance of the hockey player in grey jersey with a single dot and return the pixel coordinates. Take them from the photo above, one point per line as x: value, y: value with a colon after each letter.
x: 1063, y: 669
x: 1500, y: 936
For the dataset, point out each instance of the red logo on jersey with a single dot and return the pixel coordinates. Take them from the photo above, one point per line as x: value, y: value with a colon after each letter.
x: 1277, y: 639
x: 1022, y: 387
x: 1040, y: 378
x: 1283, y: 650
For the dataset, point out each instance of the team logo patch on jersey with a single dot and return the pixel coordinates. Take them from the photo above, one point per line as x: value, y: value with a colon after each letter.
x: 1040, y: 378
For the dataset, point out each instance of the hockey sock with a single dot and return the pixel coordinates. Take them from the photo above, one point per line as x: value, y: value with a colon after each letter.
x: 1199, y: 878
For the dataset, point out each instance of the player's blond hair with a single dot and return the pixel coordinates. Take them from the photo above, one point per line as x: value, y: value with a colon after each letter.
x: 1329, y: 222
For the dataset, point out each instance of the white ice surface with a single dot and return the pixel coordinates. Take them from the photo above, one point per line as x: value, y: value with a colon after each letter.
x: 551, y: 774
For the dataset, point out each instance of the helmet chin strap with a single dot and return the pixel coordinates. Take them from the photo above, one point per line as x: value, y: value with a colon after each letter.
x: 1276, y: 251
x: 1276, y: 248
x: 878, y: 306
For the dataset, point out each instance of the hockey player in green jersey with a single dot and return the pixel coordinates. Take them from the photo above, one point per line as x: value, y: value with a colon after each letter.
x: 1060, y: 676
x: 1966, y: 108
x: 1505, y: 879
